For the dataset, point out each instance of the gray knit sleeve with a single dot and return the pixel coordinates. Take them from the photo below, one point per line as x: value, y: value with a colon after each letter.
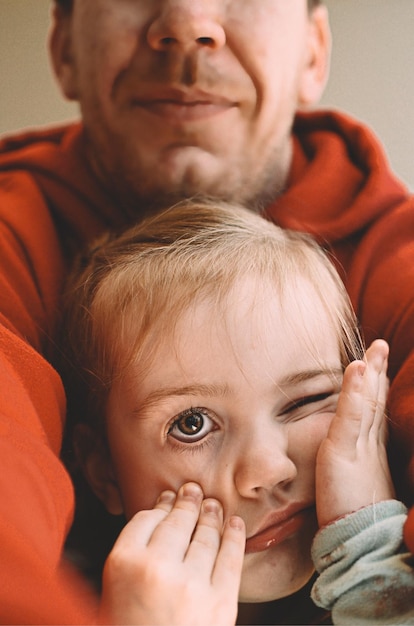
x: 366, y: 573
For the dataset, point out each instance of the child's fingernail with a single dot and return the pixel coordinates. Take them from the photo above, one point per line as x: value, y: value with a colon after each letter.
x: 191, y: 491
x: 361, y: 369
x: 167, y: 497
x: 236, y: 522
x: 211, y: 506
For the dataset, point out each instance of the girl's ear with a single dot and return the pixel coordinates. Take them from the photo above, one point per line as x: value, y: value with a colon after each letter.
x: 316, y: 70
x: 61, y: 52
x: 93, y: 456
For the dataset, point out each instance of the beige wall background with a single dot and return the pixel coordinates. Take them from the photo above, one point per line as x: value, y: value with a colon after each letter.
x: 372, y: 75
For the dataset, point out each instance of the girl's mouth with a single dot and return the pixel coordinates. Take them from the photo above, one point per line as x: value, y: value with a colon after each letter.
x: 280, y: 531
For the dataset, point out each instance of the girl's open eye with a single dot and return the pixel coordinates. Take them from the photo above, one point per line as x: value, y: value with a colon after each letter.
x: 191, y: 425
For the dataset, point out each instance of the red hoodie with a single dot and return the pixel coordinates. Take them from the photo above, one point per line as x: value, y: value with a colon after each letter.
x: 340, y: 189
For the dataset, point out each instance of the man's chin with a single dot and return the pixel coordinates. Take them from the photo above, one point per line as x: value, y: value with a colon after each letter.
x: 163, y: 192
x: 199, y: 174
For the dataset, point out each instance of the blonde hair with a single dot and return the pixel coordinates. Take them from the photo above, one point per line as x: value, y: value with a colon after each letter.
x: 125, y: 297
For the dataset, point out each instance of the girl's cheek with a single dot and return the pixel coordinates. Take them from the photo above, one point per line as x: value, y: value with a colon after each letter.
x: 306, y: 437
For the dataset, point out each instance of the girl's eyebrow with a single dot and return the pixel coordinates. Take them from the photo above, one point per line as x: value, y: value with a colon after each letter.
x: 214, y: 390
x: 296, y: 378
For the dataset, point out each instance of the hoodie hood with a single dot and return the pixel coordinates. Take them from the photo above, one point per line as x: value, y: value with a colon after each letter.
x: 340, y: 179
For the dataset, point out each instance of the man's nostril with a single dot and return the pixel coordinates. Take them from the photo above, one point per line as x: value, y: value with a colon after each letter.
x: 205, y: 41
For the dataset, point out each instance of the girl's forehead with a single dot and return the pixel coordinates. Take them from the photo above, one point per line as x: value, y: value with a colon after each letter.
x: 253, y: 300
x: 252, y: 317
x: 253, y: 326
x: 238, y: 351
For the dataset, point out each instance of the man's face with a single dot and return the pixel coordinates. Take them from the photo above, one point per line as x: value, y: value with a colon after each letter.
x: 181, y: 97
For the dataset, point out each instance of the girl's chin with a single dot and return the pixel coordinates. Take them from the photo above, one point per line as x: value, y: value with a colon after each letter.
x: 265, y: 584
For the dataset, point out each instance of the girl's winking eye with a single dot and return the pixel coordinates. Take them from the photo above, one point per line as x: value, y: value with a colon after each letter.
x: 321, y: 391
x: 309, y: 405
x: 191, y: 425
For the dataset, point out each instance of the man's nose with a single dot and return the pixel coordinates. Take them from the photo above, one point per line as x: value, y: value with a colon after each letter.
x: 264, y: 465
x: 187, y: 25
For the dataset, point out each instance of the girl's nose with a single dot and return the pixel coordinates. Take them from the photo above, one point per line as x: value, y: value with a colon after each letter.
x: 187, y: 25
x: 264, y: 465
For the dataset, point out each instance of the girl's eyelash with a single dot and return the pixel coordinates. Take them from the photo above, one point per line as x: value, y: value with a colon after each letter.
x: 300, y: 402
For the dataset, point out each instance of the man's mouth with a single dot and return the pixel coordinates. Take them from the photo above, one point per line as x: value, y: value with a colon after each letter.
x: 178, y: 107
x: 277, y: 532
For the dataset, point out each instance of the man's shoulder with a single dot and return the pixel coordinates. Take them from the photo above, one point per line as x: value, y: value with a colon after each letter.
x: 18, y: 145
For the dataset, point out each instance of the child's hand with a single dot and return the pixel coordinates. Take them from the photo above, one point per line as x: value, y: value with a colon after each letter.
x: 352, y: 467
x: 176, y: 564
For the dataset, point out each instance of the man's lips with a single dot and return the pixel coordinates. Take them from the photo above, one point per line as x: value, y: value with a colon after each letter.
x: 279, y: 530
x: 175, y: 106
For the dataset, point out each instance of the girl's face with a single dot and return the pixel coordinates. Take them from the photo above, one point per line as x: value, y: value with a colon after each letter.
x: 239, y: 402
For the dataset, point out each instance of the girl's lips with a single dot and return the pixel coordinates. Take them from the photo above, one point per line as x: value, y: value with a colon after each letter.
x: 275, y: 534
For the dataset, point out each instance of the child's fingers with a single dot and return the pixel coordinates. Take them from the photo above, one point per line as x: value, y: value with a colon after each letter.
x: 200, y: 588
x: 361, y: 403
x: 173, y: 534
x: 173, y: 519
x: 211, y: 550
x: 345, y: 427
x: 374, y: 391
x: 229, y: 562
x: 140, y: 528
x: 205, y: 543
